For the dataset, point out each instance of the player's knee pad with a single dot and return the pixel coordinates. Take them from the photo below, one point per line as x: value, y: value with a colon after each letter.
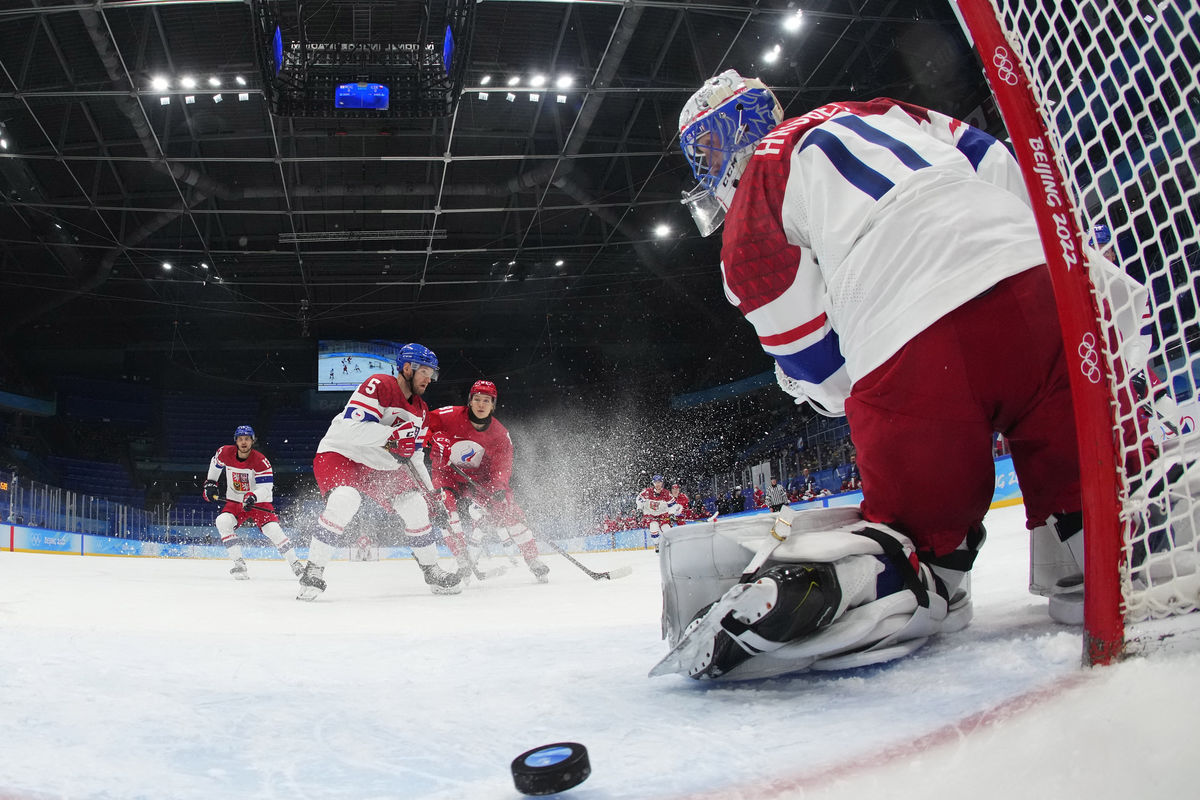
x: 412, y: 508
x: 226, y: 524
x: 341, y: 505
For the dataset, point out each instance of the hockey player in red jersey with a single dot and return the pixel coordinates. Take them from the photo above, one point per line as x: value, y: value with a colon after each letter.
x: 472, y: 457
x: 680, y: 505
x: 657, y: 507
x: 890, y: 263
x: 368, y: 452
x: 249, y: 495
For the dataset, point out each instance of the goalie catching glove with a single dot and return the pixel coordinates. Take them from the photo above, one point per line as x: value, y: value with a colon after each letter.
x: 822, y: 590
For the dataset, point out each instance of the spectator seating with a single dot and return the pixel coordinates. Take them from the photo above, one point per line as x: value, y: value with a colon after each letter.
x: 196, y: 426
x: 98, y: 479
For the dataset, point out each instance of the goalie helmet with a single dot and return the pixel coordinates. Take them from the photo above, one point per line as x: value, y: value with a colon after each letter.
x: 1101, y: 235
x: 718, y: 128
x: 418, y: 355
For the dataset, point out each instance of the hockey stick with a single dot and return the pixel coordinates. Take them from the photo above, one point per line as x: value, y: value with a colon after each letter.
x: 611, y: 575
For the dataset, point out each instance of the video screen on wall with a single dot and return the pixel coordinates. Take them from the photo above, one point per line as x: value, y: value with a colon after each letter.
x: 342, y: 364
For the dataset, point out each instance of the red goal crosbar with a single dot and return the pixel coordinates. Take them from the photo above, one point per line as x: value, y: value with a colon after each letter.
x: 1104, y: 630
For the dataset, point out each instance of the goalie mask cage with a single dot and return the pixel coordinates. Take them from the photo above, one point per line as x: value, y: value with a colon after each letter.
x: 1101, y: 100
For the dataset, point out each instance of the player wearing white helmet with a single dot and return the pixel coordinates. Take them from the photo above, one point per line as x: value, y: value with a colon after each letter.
x: 889, y: 261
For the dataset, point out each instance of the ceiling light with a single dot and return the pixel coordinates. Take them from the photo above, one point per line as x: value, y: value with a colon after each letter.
x: 514, y: 80
x: 662, y: 230
x: 217, y: 98
x: 243, y: 96
x: 189, y: 99
x: 3, y: 144
x: 510, y: 97
x: 534, y: 97
x: 562, y: 98
x: 187, y: 82
x: 167, y: 265
x: 214, y: 81
x: 485, y: 80
x: 559, y: 263
x: 772, y: 55
x: 792, y: 23
x: 240, y: 80
x: 537, y: 80
x: 164, y: 101
x: 203, y: 265
x: 564, y: 81
x: 160, y: 83
x: 483, y: 95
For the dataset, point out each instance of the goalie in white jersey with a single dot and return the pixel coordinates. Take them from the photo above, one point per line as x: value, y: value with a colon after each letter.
x: 890, y: 263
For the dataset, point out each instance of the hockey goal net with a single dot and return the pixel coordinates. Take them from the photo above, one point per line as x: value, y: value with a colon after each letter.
x: 1102, y: 103
x: 364, y: 548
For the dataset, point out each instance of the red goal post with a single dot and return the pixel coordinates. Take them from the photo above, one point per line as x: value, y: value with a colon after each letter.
x: 1100, y: 100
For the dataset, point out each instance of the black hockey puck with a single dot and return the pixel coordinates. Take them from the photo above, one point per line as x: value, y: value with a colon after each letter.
x: 551, y: 768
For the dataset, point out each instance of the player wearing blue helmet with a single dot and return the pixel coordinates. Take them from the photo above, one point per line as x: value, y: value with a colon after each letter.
x: 369, y: 452
x: 249, y: 494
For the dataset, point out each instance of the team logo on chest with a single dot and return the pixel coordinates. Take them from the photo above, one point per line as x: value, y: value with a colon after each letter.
x: 240, y: 481
x: 466, y: 453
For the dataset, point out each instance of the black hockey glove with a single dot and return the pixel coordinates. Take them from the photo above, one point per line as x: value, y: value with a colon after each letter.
x: 438, y: 515
x: 248, y: 501
x: 211, y: 491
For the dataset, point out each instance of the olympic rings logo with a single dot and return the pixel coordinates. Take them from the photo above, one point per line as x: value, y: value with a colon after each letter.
x: 1005, y: 68
x: 1089, y: 363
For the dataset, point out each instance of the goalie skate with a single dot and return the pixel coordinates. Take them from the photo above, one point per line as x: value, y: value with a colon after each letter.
x: 741, y: 624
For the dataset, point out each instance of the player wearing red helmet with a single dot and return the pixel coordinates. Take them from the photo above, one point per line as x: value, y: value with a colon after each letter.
x: 472, y: 457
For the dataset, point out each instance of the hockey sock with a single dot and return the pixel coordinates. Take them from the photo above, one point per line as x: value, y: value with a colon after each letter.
x: 227, y: 527
x: 282, y: 543
x: 523, y: 537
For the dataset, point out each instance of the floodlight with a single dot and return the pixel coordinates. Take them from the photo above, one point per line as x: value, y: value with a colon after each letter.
x: 214, y: 81
x: 514, y: 80
x: 485, y: 80
x: 160, y: 84
x: 792, y: 23
x: 564, y: 81
x: 537, y: 80
x: 662, y: 230
x: 187, y: 82
x: 167, y: 265
x: 240, y: 80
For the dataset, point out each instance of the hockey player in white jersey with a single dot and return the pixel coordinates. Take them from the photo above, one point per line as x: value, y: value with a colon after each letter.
x: 249, y: 496
x: 889, y: 261
x: 368, y: 451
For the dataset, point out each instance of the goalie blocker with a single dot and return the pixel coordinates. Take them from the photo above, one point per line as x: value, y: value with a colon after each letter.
x: 798, y: 591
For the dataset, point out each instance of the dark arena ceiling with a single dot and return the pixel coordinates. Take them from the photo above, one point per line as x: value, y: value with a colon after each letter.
x: 518, y: 235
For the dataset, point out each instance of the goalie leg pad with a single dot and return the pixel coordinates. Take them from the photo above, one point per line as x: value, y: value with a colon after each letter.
x: 874, y: 602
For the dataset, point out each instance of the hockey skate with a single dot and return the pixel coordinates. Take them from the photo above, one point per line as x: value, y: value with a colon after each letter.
x: 440, y: 581
x: 297, y: 567
x: 239, y: 571
x: 539, y: 569
x: 786, y: 602
x: 311, y: 582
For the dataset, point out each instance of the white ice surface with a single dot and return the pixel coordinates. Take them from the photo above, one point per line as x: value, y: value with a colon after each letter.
x: 124, y: 677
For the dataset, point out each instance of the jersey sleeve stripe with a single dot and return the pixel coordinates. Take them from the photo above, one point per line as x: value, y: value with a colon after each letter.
x: 264, y: 478
x: 854, y: 171
x: 814, y: 364
x: 370, y: 408
x: 974, y: 144
x: 798, y: 332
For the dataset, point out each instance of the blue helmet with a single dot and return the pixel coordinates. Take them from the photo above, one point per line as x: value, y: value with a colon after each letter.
x: 657, y: 479
x: 419, y: 355
x: 244, y: 430
x: 1101, y: 235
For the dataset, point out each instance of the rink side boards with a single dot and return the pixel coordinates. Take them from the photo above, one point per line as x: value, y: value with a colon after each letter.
x: 24, y: 539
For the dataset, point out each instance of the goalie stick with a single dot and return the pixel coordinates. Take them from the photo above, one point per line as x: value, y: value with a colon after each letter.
x: 611, y: 575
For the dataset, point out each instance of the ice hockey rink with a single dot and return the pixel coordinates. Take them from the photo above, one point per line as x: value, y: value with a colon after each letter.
x: 148, y: 678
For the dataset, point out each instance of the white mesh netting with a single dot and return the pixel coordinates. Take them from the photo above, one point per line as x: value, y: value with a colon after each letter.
x: 1117, y: 86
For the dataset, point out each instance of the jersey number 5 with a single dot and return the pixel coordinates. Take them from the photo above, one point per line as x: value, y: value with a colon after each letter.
x: 370, y: 387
